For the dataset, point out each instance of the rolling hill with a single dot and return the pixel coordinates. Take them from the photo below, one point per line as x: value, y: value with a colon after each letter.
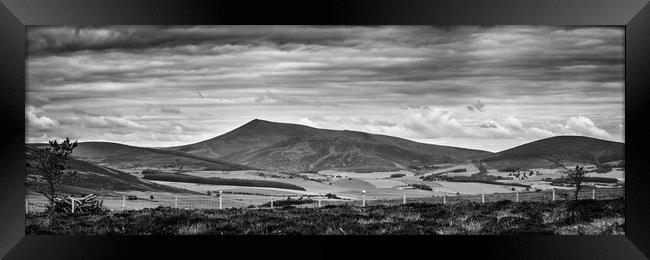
x: 122, y: 156
x: 292, y: 147
x: 531, y: 155
x: 94, y: 178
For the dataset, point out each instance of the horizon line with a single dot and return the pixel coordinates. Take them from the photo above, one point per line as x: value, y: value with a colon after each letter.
x: 277, y: 122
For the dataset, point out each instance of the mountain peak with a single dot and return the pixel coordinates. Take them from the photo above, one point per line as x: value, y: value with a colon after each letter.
x: 254, y: 124
x: 265, y: 123
x: 257, y: 121
x: 291, y: 147
x: 268, y: 128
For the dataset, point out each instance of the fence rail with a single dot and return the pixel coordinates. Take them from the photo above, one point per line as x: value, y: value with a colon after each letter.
x: 224, y: 201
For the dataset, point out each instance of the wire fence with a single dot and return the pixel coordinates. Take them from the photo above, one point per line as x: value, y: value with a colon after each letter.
x: 224, y: 201
x: 538, y: 196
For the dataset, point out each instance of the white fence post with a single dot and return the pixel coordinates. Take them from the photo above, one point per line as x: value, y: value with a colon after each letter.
x: 220, y: 196
x: 482, y: 198
x: 26, y: 207
x: 444, y: 199
x: 553, y: 194
x: 363, y: 198
x: 319, y: 199
x: 404, y: 199
x: 72, y: 200
x: 271, y: 203
x: 175, y: 201
x: 123, y: 202
x: 517, y: 198
x: 593, y: 194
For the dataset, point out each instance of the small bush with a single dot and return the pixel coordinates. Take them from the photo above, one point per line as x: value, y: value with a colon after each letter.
x: 332, y: 196
x: 150, y: 171
x: 194, y: 229
x: 288, y: 202
x: 564, y: 181
x: 511, y: 170
x: 421, y: 186
x: 603, y: 170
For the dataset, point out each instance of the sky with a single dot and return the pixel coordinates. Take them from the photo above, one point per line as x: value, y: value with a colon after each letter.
x: 488, y: 88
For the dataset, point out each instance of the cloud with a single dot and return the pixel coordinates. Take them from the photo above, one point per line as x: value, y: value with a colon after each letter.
x: 267, y: 97
x: 172, y: 110
x: 38, y: 101
x: 355, y: 124
x: 117, y: 123
x: 436, y: 123
x: 222, y: 76
x: 513, y: 123
x: 584, y: 126
x: 478, y: 106
x: 490, y: 124
x: 38, y: 122
x: 430, y: 123
x: 539, y: 133
x: 491, y: 129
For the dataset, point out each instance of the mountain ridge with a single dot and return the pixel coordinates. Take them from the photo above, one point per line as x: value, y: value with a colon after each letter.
x: 119, y: 155
x: 261, y: 144
x: 294, y: 147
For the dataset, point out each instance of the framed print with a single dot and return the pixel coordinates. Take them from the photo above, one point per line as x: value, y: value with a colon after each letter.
x: 515, y: 129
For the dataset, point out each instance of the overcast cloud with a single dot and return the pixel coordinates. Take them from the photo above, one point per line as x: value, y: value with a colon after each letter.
x: 480, y: 87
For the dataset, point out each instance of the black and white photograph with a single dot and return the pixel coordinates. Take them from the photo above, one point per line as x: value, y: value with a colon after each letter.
x: 324, y: 130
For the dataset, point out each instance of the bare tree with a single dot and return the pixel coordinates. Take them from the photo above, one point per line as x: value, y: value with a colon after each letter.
x: 52, y: 163
x: 575, y: 175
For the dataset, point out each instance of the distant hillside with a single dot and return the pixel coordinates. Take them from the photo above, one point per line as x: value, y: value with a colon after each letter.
x: 255, y: 134
x: 124, y: 156
x: 293, y: 147
x: 531, y: 155
x: 94, y: 178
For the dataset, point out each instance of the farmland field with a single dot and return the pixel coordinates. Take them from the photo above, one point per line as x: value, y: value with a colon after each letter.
x: 220, y: 181
x: 378, y: 185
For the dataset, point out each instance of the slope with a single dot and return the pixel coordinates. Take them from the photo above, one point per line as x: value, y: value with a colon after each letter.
x: 531, y: 155
x: 122, y: 156
x: 293, y: 147
x: 95, y: 178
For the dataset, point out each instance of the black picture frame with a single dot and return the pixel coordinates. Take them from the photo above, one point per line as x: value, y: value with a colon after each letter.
x: 633, y: 14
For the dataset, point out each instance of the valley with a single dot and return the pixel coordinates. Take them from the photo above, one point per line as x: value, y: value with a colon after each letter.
x: 264, y: 158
